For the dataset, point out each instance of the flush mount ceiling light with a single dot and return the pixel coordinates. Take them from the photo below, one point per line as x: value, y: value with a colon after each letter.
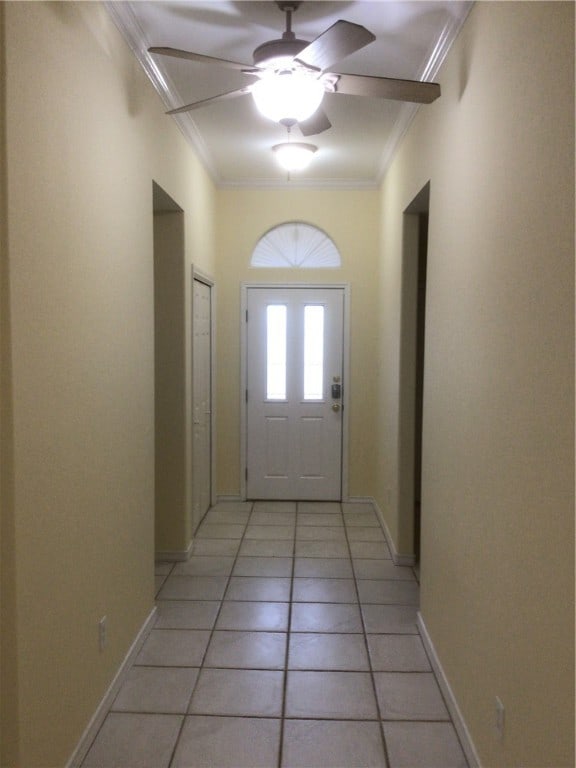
x: 294, y: 156
x: 288, y: 97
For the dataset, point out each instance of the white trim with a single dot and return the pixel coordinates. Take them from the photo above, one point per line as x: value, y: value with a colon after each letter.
x: 99, y: 715
x: 451, y: 702
x: 345, y: 288
x: 432, y: 65
x: 127, y: 24
x: 397, y: 557
x: 203, y: 277
x: 175, y: 555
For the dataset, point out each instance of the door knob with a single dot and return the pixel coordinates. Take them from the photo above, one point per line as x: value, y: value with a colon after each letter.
x: 336, y: 407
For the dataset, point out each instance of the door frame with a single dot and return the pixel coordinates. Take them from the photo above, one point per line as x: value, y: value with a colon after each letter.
x: 244, y: 288
x: 202, y: 277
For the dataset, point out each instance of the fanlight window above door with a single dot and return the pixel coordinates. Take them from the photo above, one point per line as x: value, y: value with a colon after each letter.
x: 295, y: 244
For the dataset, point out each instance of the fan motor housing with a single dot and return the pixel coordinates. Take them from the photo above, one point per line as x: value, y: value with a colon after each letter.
x: 277, y: 53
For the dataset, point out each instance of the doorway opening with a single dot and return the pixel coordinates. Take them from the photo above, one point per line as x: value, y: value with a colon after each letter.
x: 170, y: 441
x: 414, y: 278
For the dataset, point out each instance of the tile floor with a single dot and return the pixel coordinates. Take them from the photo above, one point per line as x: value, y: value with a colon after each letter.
x: 288, y: 639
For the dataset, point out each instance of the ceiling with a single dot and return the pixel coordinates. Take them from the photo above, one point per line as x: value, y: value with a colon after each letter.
x: 233, y: 140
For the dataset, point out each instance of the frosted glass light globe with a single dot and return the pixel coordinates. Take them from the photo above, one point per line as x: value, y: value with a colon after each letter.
x: 294, y: 156
x: 288, y: 97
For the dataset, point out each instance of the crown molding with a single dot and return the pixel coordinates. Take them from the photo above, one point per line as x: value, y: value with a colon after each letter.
x: 127, y: 24
x: 432, y: 64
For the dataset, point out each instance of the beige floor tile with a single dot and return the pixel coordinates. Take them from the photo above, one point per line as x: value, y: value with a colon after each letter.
x: 323, y: 567
x: 389, y: 592
x: 323, y: 533
x: 215, y: 547
x: 203, y: 565
x: 232, y: 506
x: 423, y: 745
x: 245, y: 692
x: 272, y: 518
x: 220, y: 531
x: 275, y: 506
x: 254, y: 616
x: 319, y: 507
x: 161, y: 690
x: 186, y: 614
x: 331, y: 743
x: 246, y: 650
x: 263, y: 566
x: 356, y: 507
x: 374, y: 550
x: 397, y: 653
x: 332, y: 695
x: 265, y: 548
x: 327, y: 652
x: 409, y: 696
x: 382, y: 569
x: 134, y: 741
x: 337, y: 549
x: 268, y: 588
x: 324, y: 591
x: 227, y: 516
x: 193, y: 588
x: 319, y: 519
x: 362, y: 519
x: 365, y: 533
x: 228, y: 742
x: 270, y: 532
x: 326, y: 617
x: 395, y: 619
x: 174, y: 648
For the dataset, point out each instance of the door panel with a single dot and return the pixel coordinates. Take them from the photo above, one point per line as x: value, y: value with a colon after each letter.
x: 201, y: 401
x: 294, y: 355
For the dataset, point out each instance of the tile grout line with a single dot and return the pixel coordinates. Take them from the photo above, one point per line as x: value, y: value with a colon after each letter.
x: 201, y: 667
x: 288, y: 632
x: 365, y: 635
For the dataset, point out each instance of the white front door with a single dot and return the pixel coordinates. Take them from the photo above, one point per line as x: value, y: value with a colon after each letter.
x: 294, y: 393
x: 201, y: 400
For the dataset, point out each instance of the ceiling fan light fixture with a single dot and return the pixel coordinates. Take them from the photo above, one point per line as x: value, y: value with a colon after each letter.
x: 294, y: 156
x: 288, y: 97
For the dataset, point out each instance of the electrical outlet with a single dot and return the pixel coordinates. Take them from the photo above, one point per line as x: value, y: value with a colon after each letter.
x: 499, y: 721
x: 102, y: 632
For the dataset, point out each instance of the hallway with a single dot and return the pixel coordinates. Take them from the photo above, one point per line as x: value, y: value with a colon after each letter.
x: 288, y: 639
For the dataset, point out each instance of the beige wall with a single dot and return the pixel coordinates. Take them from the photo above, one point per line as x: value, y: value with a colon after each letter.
x: 350, y: 219
x: 86, y: 136
x: 498, y: 463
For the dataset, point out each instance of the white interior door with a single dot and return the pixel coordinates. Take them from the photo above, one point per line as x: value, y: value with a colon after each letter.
x: 294, y: 393
x: 201, y: 400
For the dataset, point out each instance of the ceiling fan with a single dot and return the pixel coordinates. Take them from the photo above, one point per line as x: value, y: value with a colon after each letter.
x: 291, y: 75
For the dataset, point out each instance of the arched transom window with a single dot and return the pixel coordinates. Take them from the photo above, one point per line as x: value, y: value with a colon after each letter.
x: 295, y: 244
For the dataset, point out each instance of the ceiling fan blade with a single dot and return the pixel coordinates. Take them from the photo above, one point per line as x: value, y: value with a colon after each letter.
x: 387, y: 88
x: 211, y: 100
x: 333, y: 45
x: 199, y: 57
x: 316, y: 124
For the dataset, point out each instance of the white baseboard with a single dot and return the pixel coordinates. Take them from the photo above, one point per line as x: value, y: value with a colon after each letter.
x: 175, y: 555
x: 102, y: 710
x: 451, y: 703
x: 397, y: 557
